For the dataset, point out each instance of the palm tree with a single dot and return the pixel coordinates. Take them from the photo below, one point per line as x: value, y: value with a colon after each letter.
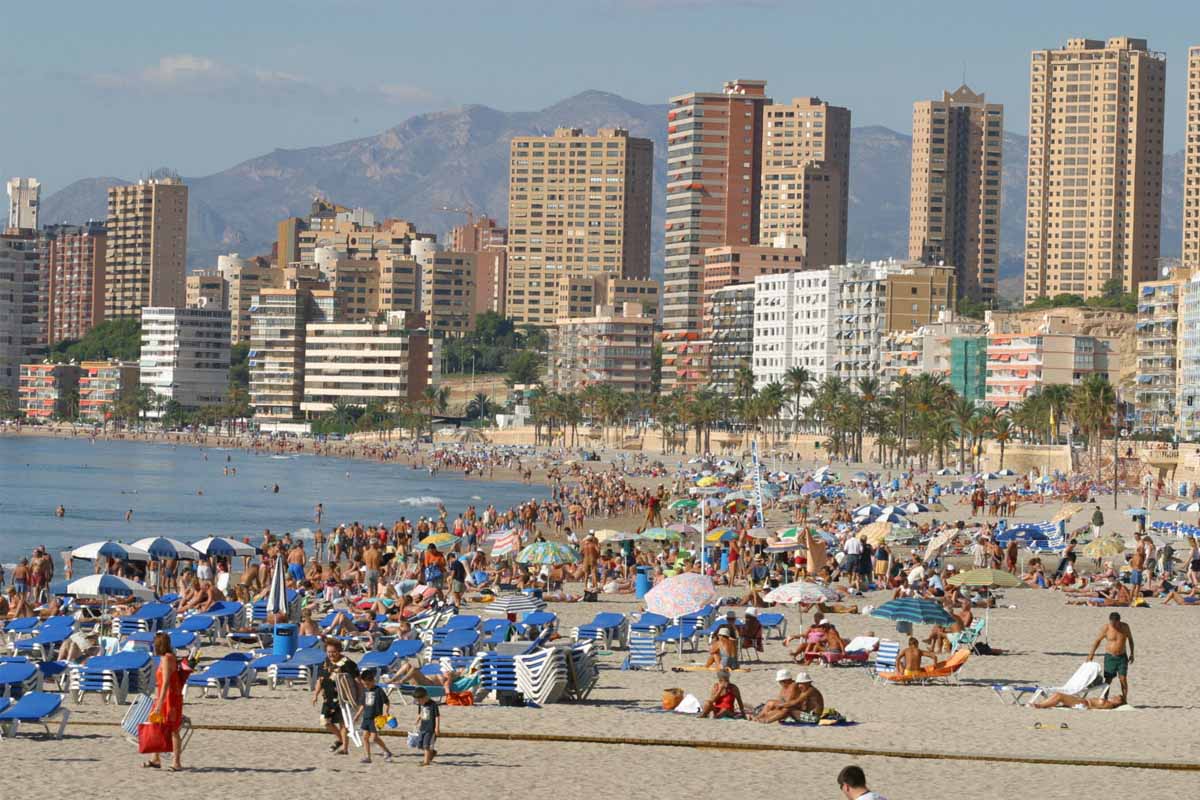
x: 798, y: 382
x: 1002, y: 431
x: 481, y: 407
x: 435, y: 400
x: 1057, y: 397
x: 963, y: 411
x: 1092, y: 404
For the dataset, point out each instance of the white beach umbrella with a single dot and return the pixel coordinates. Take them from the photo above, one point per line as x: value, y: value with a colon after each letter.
x: 514, y: 604
x: 109, y: 549
x: 164, y: 547
x: 223, y: 546
x: 108, y: 586
x: 277, y: 596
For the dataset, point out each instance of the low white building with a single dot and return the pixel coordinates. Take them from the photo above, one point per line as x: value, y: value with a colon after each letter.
x: 185, y: 355
x: 792, y: 313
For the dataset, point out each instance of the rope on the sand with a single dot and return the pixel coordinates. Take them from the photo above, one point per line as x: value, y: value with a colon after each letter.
x: 1169, y: 766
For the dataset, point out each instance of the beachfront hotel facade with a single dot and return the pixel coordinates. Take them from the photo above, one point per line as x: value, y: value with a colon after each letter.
x: 244, y: 278
x: 1022, y: 364
x: 613, y: 347
x: 577, y: 205
x: 21, y: 337
x: 793, y: 314
x: 146, y: 255
x: 932, y: 348
x: 363, y: 363
x: 1157, y: 338
x: 714, y: 193
x: 279, y: 322
x: 24, y: 196
x: 578, y: 295
x: 103, y: 386
x: 48, y: 391
x: 185, y: 356
x: 730, y: 311
x: 954, y: 196
x: 1191, y: 163
x: 806, y: 177
x: 1187, y: 382
x: 75, y: 268
x: 1094, y: 194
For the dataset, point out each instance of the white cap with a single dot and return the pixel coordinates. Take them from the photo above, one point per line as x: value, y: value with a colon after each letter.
x: 782, y: 675
x: 751, y: 611
x: 802, y: 677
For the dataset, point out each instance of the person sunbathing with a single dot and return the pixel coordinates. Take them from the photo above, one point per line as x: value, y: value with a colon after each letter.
x: 307, y: 626
x: 724, y: 696
x: 1118, y: 596
x: 1060, y: 700
x: 908, y: 662
x: 723, y: 651
x: 810, y: 639
x: 796, y: 698
x: 1189, y: 598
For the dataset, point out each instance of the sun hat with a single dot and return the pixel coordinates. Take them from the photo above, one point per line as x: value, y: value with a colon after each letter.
x: 782, y: 675
x: 802, y: 677
x: 751, y: 611
x: 723, y: 631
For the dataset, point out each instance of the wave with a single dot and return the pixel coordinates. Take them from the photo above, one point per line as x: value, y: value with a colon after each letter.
x: 420, y: 501
x: 283, y: 458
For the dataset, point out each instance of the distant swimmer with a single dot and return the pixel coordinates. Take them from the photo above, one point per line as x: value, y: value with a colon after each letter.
x: 320, y: 512
x: 347, y: 474
x: 227, y: 472
x: 129, y: 515
x: 60, y: 511
x: 200, y: 491
x: 275, y: 489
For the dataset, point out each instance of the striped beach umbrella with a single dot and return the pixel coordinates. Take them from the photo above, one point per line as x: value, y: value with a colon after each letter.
x: 505, y: 542
x: 163, y: 547
x: 515, y: 604
x: 721, y: 535
x: 683, y: 502
x: 108, y: 586
x: 915, y: 610
x: 665, y: 534
x: 801, y: 592
x: 442, y: 541
x: 117, y: 550
x: 223, y: 546
x: 681, y: 594
x: 610, y: 535
x: 277, y: 595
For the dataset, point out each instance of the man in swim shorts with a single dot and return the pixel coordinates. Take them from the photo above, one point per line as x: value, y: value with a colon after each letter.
x: 1117, y: 637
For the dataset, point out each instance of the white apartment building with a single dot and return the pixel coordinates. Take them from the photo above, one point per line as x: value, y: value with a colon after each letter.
x: 23, y: 197
x: 792, y: 315
x: 1187, y: 382
x: 185, y: 355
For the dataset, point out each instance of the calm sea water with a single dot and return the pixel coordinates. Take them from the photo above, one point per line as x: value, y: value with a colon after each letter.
x: 98, y: 483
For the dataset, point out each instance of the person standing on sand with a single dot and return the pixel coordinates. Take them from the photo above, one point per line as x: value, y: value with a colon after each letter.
x: 590, y: 549
x: 1097, y: 522
x: 1117, y: 635
x: 168, y: 700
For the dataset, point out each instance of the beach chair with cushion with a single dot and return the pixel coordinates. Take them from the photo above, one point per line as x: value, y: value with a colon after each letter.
x: 224, y: 675
x: 458, y: 622
x: 46, y: 639
x: 114, y: 677
x: 1088, y: 677
x: 150, y: 617
x: 773, y: 623
x: 539, y: 621
x: 21, y: 626
x: 674, y: 636
x: 648, y: 624
x: 885, y: 659
x: 34, y: 708
x: 226, y: 615
x: 947, y: 670
x: 18, y: 677
x: 203, y: 625
x: 607, y: 629
x: 858, y: 651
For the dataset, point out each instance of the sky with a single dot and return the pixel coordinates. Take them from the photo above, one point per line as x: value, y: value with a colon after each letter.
x: 122, y: 88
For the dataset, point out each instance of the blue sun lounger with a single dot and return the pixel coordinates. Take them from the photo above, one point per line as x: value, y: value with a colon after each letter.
x: 34, y: 708
x: 150, y: 617
x: 390, y: 660
x: 224, y: 675
x: 117, y: 676
x: 19, y: 677
x: 47, y: 638
x: 301, y: 667
x: 607, y: 628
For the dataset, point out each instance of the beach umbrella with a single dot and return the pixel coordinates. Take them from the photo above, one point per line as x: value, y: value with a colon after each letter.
x: 1066, y: 512
x: 890, y: 517
x: 1006, y: 473
x: 986, y: 578
x: 1186, y: 507
x: 759, y: 533
x: 547, y: 553
x: 915, y: 610
x: 734, y: 506
x: 505, y: 542
x: 681, y: 594
x: 683, y: 502
x: 915, y: 508
x: 1104, y: 547
x: 609, y: 535
x: 277, y: 594
x: 859, y: 476
x: 939, y: 541
x: 811, y: 487
x: 886, y: 510
x: 946, y: 471
x: 876, y: 532
x: 443, y: 541
x: 163, y: 547
x: 223, y: 546
x: 117, y: 550
x: 868, y: 510
x: 795, y: 498
x: 708, y: 480
x: 108, y: 586
x: 1136, y: 512
x: 684, y: 528
x: 665, y: 534
x: 791, y: 533
x: 783, y: 547
x: 739, y: 495
x: 801, y: 592
x: 720, y: 535
x: 515, y: 604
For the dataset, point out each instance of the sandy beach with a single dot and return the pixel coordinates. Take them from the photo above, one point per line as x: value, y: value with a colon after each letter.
x: 1041, y: 641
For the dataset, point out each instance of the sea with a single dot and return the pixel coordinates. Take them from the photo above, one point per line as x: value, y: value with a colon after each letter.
x: 183, y: 492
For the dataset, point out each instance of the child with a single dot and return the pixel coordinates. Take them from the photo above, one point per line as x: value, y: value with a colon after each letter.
x: 374, y: 704
x: 429, y: 724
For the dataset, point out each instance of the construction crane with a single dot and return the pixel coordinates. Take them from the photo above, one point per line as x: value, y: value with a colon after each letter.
x: 470, y: 213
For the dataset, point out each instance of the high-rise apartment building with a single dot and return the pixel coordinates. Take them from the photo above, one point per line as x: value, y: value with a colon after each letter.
x: 1191, y: 164
x: 489, y: 243
x: 714, y: 185
x: 278, y: 328
x: 146, y: 260
x: 577, y: 205
x: 21, y: 334
x: 244, y: 278
x: 185, y: 355
x: 448, y: 294
x: 806, y: 177
x: 1095, y: 166
x: 954, y: 203
x: 207, y: 289
x: 75, y: 268
x: 23, y: 197
x: 612, y: 347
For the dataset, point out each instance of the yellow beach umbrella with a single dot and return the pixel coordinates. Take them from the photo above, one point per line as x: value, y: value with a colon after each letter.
x: 876, y: 532
x: 1104, y: 547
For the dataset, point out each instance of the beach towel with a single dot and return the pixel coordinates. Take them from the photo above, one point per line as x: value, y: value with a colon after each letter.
x: 688, y: 705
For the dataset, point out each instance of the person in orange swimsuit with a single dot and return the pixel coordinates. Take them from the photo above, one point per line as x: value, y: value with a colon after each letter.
x: 168, y: 700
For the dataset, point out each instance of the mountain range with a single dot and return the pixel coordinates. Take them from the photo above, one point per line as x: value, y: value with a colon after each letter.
x: 459, y: 159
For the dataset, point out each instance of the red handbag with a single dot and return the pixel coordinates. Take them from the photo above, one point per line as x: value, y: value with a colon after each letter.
x: 154, y: 737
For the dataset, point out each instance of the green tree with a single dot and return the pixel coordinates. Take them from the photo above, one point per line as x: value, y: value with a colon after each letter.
x: 9, y: 407
x: 656, y: 365
x: 239, y: 365
x: 798, y: 384
x: 481, y: 407
x: 524, y: 368
x: 117, y: 338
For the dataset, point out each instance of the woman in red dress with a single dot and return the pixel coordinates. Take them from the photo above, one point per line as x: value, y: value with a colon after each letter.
x: 168, y: 701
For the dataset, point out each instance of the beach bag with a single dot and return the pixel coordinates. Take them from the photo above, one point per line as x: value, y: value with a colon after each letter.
x: 414, y: 740
x: 460, y: 699
x: 154, y: 737
x: 671, y: 698
x: 433, y: 573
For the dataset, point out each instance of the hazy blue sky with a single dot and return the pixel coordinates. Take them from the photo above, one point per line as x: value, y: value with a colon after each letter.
x: 119, y: 88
